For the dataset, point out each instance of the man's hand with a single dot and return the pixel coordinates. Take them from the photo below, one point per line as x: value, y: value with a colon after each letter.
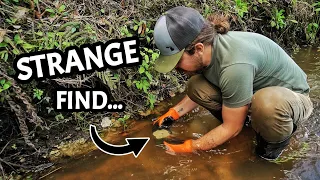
x: 186, y: 147
x: 167, y: 117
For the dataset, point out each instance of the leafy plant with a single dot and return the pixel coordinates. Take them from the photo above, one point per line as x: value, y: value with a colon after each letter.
x: 59, y: 117
x: 143, y: 30
x: 144, y: 79
x: 123, y: 120
x: 4, y: 85
x: 207, y: 10
x: 37, y: 93
x: 311, y: 31
x: 316, y: 7
x: 58, y: 11
x: 241, y: 7
x: 278, y: 19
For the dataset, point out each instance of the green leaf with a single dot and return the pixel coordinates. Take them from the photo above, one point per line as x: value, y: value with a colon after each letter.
x: 273, y: 24
x: 135, y: 21
x: 148, y: 75
x: 294, y: 21
x: 2, y: 82
x: 315, y: 4
x: 148, y: 39
x: 317, y: 10
x: 141, y: 70
x: 39, y: 33
x: 135, y: 28
x: 146, y: 58
x: 102, y: 11
x: 73, y: 29
x: 14, y: 146
x: 6, y: 86
x: 28, y: 46
x: 15, y: 51
x: 316, y: 25
x: 50, y: 11
x: 3, y: 45
x: 61, y: 8
x: 17, y: 39
x: 155, y: 56
x: 6, y: 56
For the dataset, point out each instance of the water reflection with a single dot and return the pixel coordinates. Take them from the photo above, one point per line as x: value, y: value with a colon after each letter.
x: 233, y: 160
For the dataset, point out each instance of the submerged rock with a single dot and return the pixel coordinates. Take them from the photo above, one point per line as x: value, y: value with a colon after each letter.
x: 161, y: 133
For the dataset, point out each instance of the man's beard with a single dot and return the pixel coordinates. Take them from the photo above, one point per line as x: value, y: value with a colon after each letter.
x: 201, y: 68
x: 192, y: 73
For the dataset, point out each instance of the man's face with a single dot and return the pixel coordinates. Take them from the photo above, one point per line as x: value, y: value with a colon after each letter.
x: 191, y: 64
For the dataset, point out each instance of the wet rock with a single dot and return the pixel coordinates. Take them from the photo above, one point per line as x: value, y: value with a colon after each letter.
x: 161, y: 133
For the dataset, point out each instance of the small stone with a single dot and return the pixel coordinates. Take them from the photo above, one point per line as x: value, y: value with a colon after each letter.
x: 106, y: 122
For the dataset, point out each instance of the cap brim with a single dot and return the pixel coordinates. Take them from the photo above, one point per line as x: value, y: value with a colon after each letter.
x: 165, y: 64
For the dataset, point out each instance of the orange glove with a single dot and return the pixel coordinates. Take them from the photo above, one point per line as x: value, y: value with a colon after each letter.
x: 166, y: 117
x: 186, y: 147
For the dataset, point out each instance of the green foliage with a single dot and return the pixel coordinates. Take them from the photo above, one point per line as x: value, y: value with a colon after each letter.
x: 278, y: 19
x: 68, y: 34
x: 37, y: 93
x: 142, y: 29
x: 109, y: 78
x: 311, y: 32
x: 145, y: 77
x: 59, y: 11
x: 144, y: 83
x: 207, y: 10
x: 4, y: 85
x: 241, y: 7
x: 59, y: 117
x: 313, y: 28
x: 223, y: 5
x: 124, y: 119
x: 125, y: 32
x: 316, y: 7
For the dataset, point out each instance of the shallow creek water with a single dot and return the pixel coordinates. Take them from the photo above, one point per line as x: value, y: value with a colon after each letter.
x: 233, y: 160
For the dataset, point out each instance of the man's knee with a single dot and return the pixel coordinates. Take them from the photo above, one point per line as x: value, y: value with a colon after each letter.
x: 270, y: 114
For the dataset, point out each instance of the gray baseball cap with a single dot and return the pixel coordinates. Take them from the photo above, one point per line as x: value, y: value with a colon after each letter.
x: 173, y: 32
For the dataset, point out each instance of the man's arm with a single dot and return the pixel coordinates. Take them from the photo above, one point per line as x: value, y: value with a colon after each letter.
x: 233, y: 120
x: 185, y: 106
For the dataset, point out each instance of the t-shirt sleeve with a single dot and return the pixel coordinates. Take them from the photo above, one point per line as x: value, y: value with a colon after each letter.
x: 236, y: 83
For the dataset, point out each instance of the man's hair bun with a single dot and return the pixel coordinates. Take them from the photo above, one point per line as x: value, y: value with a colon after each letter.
x: 220, y: 23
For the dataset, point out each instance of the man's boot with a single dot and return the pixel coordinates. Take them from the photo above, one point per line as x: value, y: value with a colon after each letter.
x: 271, y: 151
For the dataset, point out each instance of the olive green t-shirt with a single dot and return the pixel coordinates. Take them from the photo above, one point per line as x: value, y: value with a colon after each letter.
x: 244, y: 62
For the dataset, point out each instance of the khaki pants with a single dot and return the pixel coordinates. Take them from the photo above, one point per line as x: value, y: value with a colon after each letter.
x: 273, y: 110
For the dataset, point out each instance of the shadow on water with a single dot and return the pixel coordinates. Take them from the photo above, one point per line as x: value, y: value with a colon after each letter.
x: 233, y: 160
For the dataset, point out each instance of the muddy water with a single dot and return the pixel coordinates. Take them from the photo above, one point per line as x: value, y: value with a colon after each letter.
x: 233, y: 160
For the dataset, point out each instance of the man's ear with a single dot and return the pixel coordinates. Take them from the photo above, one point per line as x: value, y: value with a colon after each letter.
x: 199, y: 48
